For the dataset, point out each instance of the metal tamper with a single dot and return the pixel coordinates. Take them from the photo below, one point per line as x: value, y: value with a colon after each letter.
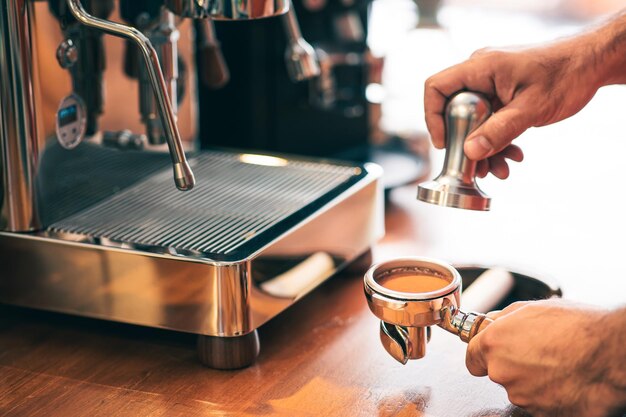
x: 456, y: 185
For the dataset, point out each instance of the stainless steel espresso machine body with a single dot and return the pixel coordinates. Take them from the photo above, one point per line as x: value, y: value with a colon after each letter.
x: 92, y: 223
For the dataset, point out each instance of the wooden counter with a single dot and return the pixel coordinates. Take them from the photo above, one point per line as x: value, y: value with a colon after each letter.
x: 320, y: 358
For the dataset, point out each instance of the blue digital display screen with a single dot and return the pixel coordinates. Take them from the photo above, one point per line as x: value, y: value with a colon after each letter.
x: 67, y: 115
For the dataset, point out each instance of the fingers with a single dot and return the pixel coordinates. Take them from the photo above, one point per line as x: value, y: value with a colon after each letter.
x: 515, y: 306
x: 494, y: 314
x: 482, y: 168
x: 514, y: 153
x: 474, y: 357
x: 440, y: 87
x: 497, y: 164
x: 477, y: 352
x: 499, y: 130
x: 499, y: 167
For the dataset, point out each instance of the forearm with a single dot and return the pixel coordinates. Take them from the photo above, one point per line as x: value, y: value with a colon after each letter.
x: 609, y: 358
x: 608, y: 46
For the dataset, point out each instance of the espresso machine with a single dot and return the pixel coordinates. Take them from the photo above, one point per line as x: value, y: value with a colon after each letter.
x: 282, y: 108
x: 92, y: 223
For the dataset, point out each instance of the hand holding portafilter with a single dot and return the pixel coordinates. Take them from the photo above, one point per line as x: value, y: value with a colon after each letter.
x: 456, y: 185
x: 410, y: 294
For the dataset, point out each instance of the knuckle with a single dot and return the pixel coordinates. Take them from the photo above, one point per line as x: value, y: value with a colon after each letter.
x: 474, y: 369
x: 479, y: 52
x: 430, y: 82
x: 499, y: 375
x: 472, y: 362
x: 499, y: 124
x: 487, y: 53
x: 518, y: 399
x: 488, y: 339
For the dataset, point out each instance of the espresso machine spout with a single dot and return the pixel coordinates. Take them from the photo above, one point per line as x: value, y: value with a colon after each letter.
x: 183, y: 176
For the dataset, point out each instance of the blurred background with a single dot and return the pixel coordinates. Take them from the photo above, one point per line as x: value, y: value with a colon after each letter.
x: 419, y: 38
x: 558, y: 215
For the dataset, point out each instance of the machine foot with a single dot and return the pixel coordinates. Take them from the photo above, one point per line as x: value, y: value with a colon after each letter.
x: 228, y: 352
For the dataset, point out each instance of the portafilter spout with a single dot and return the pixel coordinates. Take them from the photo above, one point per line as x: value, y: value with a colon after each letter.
x: 183, y: 176
x: 456, y: 185
x: 409, y: 295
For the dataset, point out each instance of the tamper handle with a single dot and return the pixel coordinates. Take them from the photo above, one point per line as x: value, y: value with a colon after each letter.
x: 456, y: 185
x: 464, y: 113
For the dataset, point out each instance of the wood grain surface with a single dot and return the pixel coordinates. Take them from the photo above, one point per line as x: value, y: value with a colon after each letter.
x: 320, y: 358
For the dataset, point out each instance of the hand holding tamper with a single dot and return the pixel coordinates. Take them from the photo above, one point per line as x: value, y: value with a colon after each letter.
x: 410, y: 294
x: 456, y: 185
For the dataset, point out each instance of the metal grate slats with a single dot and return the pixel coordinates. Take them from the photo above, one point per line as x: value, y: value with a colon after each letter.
x: 232, y: 202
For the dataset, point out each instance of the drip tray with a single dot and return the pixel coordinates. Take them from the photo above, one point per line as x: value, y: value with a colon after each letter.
x: 241, y: 202
x: 255, y: 235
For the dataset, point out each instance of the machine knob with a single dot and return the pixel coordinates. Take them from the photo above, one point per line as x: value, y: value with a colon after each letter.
x: 67, y: 54
x: 456, y: 185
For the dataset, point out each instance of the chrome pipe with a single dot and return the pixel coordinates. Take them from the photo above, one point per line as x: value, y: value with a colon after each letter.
x: 164, y: 38
x: 19, y: 129
x: 183, y: 176
x: 300, y: 57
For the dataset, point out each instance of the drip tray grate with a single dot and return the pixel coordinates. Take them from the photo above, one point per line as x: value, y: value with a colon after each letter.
x: 234, y: 201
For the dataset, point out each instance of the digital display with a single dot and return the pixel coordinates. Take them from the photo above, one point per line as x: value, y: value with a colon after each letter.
x: 67, y: 115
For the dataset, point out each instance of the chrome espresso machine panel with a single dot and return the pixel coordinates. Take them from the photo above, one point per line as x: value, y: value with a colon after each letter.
x: 94, y: 225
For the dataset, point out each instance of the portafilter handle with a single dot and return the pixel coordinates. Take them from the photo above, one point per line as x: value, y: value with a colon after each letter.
x: 404, y: 343
x: 456, y: 185
x: 465, y: 325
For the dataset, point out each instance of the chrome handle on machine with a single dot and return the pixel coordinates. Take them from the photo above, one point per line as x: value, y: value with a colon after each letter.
x: 300, y: 56
x: 215, y: 72
x: 183, y: 176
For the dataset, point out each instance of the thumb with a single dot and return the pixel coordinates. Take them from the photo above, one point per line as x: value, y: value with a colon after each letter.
x: 499, y: 130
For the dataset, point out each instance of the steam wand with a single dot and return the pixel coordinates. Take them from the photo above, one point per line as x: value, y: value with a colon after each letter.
x: 183, y: 176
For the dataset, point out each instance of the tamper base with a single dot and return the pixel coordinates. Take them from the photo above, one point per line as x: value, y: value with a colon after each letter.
x: 453, y: 195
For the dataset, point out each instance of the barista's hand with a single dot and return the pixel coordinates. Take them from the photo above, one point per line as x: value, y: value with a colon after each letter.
x: 555, y: 358
x: 527, y: 87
